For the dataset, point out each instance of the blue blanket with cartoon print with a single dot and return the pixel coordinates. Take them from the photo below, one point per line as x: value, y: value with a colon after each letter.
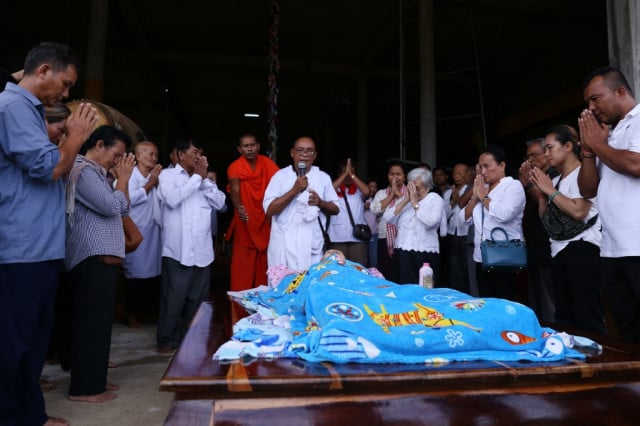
x: 341, y: 313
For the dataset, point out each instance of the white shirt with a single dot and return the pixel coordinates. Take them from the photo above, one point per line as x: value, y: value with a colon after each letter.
x: 619, y: 195
x: 340, y: 229
x: 376, y: 208
x: 186, y: 216
x: 144, y: 209
x: 505, y: 211
x: 446, y: 211
x: 457, y: 225
x: 418, y: 229
x: 296, y: 239
x: 569, y: 188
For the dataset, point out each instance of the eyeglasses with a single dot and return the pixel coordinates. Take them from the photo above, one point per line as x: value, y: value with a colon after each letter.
x: 306, y: 151
x: 533, y: 155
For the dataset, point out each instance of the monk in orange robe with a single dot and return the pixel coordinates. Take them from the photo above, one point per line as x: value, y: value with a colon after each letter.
x: 249, y: 230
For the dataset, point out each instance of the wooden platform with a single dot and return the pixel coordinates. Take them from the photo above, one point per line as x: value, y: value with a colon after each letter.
x: 600, y: 389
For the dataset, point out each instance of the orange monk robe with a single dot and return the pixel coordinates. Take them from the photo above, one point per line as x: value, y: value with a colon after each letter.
x: 251, y: 238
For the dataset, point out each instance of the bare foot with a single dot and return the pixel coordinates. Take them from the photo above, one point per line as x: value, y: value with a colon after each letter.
x: 165, y: 350
x: 111, y: 387
x: 56, y: 421
x: 45, y: 385
x: 132, y: 322
x: 112, y: 364
x: 101, y: 397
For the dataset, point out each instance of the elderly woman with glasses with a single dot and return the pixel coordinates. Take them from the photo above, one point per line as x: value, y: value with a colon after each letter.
x: 417, y: 216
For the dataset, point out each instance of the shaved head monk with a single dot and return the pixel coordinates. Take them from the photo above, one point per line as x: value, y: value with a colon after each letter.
x: 249, y: 230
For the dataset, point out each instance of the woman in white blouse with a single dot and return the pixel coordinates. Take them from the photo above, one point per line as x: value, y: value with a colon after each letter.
x: 417, y: 215
x: 498, y: 201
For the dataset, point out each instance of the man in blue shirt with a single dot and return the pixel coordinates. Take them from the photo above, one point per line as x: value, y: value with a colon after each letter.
x: 32, y: 229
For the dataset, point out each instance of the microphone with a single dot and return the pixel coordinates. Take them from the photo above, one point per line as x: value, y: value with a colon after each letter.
x: 302, y: 168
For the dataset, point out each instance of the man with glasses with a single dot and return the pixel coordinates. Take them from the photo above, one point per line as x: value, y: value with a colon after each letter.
x: 299, y: 199
x: 249, y: 230
x: 540, y: 293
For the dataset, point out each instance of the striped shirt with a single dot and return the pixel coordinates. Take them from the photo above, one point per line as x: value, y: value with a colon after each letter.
x: 95, y: 226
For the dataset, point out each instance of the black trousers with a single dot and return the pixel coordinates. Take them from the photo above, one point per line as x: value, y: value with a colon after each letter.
x: 27, y: 294
x: 576, y: 286
x: 387, y: 265
x: 499, y: 284
x: 94, y: 289
x: 458, y: 271
x: 142, y: 296
x: 411, y: 261
x: 183, y: 289
x: 621, y: 285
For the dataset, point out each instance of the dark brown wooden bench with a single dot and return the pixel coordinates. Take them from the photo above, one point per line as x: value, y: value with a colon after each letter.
x: 604, y: 389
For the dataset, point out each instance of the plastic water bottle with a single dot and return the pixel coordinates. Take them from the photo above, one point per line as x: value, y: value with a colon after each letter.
x: 426, y: 276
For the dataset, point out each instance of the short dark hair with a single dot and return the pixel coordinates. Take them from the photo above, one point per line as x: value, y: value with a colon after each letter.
x: 109, y: 135
x: 183, y: 145
x: 497, y: 152
x: 612, y: 76
x: 58, y: 55
x: 400, y: 164
x: 6, y: 77
x: 247, y: 135
x: 443, y: 168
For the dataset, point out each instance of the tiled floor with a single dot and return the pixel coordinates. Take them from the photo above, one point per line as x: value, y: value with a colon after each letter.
x: 140, y: 368
x: 138, y: 373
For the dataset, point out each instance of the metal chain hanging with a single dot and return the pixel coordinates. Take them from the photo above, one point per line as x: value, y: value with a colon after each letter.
x: 274, y: 70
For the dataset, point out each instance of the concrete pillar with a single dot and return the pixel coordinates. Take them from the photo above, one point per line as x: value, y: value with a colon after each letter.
x: 362, y: 135
x: 94, y: 80
x: 623, y: 22
x: 427, y: 84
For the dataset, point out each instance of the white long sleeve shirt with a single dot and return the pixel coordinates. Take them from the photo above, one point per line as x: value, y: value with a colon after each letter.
x: 505, y: 211
x: 418, y: 229
x: 187, y: 202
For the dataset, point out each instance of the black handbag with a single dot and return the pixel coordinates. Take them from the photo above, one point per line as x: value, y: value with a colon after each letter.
x: 560, y: 226
x: 502, y: 255
x: 361, y: 231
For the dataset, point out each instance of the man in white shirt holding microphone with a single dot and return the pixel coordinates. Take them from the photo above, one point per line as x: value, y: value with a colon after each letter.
x: 295, y: 198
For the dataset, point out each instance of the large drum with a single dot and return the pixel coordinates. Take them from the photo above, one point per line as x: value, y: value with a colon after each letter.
x: 111, y: 116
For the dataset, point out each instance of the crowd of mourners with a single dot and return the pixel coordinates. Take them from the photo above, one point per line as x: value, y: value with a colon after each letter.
x: 72, y: 189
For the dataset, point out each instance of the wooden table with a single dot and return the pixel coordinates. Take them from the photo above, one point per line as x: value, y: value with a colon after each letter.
x: 604, y: 389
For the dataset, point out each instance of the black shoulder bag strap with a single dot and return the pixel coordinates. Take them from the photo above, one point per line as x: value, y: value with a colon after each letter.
x: 348, y: 210
x: 325, y: 230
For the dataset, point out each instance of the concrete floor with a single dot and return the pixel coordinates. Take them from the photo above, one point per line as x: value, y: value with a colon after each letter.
x: 138, y: 373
